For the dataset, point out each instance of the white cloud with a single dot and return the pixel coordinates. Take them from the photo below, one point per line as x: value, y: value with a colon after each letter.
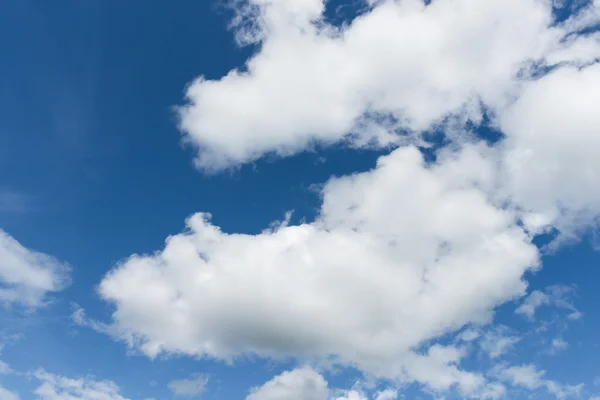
x: 194, y: 386
x: 532, y: 303
x: 387, y: 394
x: 558, y: 345
x: 314, y: 82
x: 55, y: 387
x: 311, y: 82
x: 26, y: 276
x: 493, y: 391
x: 6, y: 394
x: 498, y: 341
x: 12, y: 201
x: 551, y: 147
x: 469, y: 335
x: 307, y: 384
x: 298, y: 384
x: 557, y: 295
x: 529, y: 377
x: 414, y: 251
x: 438, y: 370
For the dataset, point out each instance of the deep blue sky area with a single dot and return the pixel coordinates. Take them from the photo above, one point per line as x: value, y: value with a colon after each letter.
x: 90, y: 135
x: 93, y: 170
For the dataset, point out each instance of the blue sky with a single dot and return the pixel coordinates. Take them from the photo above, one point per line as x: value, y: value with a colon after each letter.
x: 403, y: 199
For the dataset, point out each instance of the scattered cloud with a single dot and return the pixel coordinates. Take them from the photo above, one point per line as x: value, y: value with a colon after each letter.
x: 26, y: 276
x: 557, y: 295
x: 388, y: 394
x: 192, y: 387
x: 558, y: 345
x: 5, y: 368
x: 350, y: 395
x: 498, y: 341
x: 469, y: 335
x: 56, y: 387
x: 298, y: 384
x: 532, y: 302
x: 12, y: 201
x: 529, y: 377
x: 494, y: 391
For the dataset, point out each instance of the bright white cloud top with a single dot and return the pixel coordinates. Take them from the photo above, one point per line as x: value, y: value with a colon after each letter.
x: 399, y: 254
x: 299, y: 384
x: 409, y: 251
x: 307, y: 384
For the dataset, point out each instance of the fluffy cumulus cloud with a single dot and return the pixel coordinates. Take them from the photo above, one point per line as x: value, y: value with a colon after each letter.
x: 26, y: 276
x: 307, y: 384
x: 558, y: 296
x: 298, y: 384
x: 409, y: 251
x: 387, y: 394
x: 350, y: 395
x: 494, y: 391
x: 56, y: 387
x: 558, y: 345
x: 5, y: 368
x: 191, y: 387
x: 398, y: 255
x: 498, y: 341
x: 532, y: 303
x: 311, y: 81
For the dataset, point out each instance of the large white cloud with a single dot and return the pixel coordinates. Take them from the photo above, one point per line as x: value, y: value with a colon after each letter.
x: 193, y: 386
x: 314, y: 82
x: 26, y: 276
x: 404, y: 253
x: 399, y: 255
x: 552, y: 147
